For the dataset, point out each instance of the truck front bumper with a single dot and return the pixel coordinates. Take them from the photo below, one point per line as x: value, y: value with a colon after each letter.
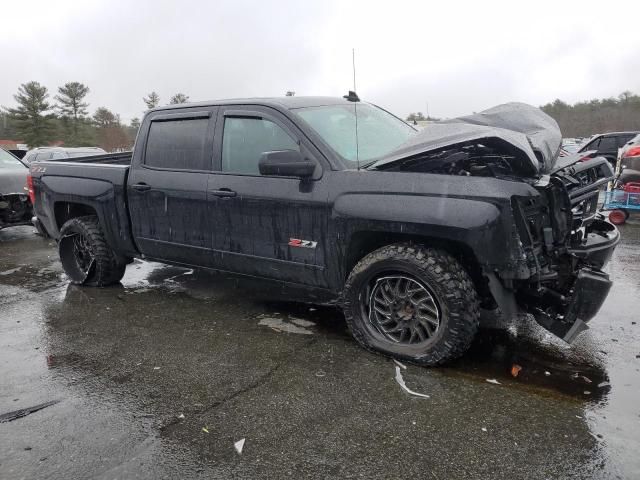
x: 565, y: 314
x: 590, y: 287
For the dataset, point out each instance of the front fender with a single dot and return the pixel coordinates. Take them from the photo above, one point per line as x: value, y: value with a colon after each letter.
x: 484, y: 227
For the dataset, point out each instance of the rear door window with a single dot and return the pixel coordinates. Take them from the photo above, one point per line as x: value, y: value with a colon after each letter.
x: 178, y: 144
x: 43, y: 156
x: 593, y: 145
x: 608, y: 144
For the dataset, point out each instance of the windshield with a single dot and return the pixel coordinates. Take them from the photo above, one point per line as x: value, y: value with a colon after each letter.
x: 379, y: 132
x: 9, y: 161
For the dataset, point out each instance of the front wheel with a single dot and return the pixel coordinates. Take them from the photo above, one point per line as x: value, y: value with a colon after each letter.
x: 86, y: 257
x: 412, y: 302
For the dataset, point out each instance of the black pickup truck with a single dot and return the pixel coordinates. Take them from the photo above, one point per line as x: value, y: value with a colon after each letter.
x: 336, y: 201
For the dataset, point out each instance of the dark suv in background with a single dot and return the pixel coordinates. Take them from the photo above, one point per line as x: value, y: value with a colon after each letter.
x: 607, y: 144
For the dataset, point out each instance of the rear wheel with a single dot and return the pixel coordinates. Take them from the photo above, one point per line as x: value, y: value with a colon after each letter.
x: 86, y: 257
x: 412, y: 302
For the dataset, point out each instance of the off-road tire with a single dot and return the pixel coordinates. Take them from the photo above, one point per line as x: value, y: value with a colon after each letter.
x: 447, y: 280
x: 107, y: 268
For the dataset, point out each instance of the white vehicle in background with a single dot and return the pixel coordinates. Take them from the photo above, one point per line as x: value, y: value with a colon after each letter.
x: 56, y: 153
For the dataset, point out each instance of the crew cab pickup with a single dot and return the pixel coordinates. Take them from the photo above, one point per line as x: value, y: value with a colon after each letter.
x: 336, y: 201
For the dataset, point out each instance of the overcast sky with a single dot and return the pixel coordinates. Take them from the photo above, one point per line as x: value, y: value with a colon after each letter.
x: 458, y: 57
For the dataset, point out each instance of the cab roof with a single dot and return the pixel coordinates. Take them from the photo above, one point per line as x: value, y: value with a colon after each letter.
x: 289, y: 103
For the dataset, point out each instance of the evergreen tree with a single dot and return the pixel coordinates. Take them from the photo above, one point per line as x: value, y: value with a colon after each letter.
x: 178, y: 98
x: 152, y: 100
x: 73, y: 111
x: 32, y: 122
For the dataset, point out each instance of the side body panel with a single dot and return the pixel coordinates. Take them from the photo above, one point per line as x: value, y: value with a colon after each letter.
x: 472, y: 212
x: 168, y: 206
x: 257, y: 225
x: 98, y: 187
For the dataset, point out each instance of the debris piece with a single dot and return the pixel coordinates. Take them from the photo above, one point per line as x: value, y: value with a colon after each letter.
x: 578, y: 416
x: 403, y: 385
x: 301, y: 322
x: 484, y: 429
x: 181, y: 416
x: 402, y: 366
x: 239, y: 445
x: 156, y: 368
x: 320, y: 373
x: 493, y: 381
x: 23, y: 412
x: 515, y: 370
x: 603, y: 384
x: 311, y: 309
x: 547, y: 373
x: 205, y: 429
x: 587, y: 392
x: 280, y: 325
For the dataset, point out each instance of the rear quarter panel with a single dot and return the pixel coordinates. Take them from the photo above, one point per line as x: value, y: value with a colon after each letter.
x: 99, y: 187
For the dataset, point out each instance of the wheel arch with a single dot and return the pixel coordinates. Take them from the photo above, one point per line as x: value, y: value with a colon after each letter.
x: 363, y: 243
x: 65, y: 211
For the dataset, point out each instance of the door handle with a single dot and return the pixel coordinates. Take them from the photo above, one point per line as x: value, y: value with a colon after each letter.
x: 223, y: 192
x: 141, y: 187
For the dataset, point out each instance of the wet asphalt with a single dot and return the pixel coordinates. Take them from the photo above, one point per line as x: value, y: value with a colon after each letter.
x: 159, y: 377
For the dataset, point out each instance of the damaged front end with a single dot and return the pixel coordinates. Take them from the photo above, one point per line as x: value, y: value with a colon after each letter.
x: 567, y: 243
x: 15, y: 210
x: 561, y: 240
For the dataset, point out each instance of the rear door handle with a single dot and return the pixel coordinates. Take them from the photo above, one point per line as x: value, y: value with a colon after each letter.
x: 141, y: 187
x: 223, y: 192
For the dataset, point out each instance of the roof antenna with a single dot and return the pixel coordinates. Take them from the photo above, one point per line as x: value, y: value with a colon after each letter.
x: 352, y: 96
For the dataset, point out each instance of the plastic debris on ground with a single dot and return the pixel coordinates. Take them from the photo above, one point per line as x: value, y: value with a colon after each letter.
x: 280, y: 325
x: 402, y: 366
x: 181, y: 416
x: 493, y: 381
x: 239, y: 445
x: 484, y: 429
x: 403, y: 385
x: 515, y: 370
x: 205, y: 429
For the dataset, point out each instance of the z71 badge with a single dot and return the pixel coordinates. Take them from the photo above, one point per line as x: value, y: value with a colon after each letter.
x: 296, y: 242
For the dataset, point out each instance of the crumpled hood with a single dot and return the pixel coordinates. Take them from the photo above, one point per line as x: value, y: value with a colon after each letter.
x: 529, y: 134
x: 13, y: 180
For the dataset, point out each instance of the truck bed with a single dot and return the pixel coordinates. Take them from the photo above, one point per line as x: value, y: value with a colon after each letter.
x: 119, y: 158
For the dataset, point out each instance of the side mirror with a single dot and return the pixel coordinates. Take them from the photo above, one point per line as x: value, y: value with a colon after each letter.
x: 286, y: 163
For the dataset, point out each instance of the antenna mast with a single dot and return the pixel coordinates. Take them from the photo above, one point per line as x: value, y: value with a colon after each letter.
x: 355, y: 105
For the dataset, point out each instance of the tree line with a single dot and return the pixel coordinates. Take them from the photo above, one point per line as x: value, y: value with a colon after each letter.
x: 596, y: 116
x: 38, y: 121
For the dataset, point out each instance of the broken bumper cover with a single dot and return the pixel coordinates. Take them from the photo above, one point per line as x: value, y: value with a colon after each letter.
x: 591, y: 285
x: 600, y: 242
x: 589, y: 293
